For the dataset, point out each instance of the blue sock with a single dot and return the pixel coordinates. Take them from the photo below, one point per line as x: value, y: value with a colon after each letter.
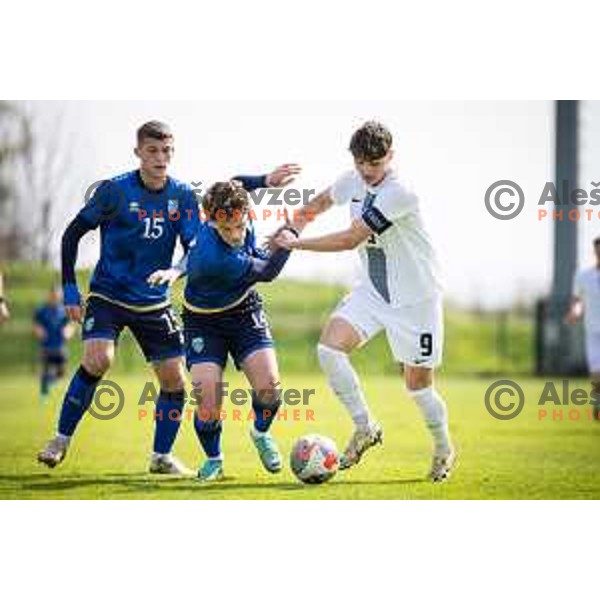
x: 209, y: 435
x: 77, y: 400
x: 169, y: 407
x: 265, y: 411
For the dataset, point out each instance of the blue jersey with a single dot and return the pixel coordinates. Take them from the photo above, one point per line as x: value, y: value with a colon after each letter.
x: 139, y: 229
x: 220, y: 276
x: 53, y: 320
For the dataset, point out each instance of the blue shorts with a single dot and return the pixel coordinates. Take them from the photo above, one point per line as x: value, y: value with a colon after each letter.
x: 157, y: 332
x: 238, y: 332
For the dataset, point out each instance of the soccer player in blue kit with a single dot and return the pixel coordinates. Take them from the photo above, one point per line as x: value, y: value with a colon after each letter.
x: 52, y: 329
x: 137, y: 238
x: 223, y: 315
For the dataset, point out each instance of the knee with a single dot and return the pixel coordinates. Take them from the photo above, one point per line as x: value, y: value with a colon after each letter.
x: 418, y: 379
x: 205, y: 394
x: 97, y: 361
x: 172, y: 378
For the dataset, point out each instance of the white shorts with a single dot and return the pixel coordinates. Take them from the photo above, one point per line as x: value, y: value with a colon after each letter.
x: 415, y: 333
x: 592, y: 351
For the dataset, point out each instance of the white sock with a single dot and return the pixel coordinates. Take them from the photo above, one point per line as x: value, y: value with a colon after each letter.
x: 345, y: 384
x: 436, y: 416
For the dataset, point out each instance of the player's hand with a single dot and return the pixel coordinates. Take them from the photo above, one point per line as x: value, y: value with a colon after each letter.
x: 283, y: 175
x: 271, y: 241
x: 74, y: 312
x: 286, y: 239
x: 165, y: 276
x: 270, y: 244
x: 4, y: 312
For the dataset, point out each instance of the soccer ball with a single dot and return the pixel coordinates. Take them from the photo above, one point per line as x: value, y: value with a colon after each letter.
x: 314, y: 459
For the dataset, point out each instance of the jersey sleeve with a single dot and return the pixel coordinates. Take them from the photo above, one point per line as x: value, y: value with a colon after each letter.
x: 343, y: 188
x: 189, y: 218
x: 387, y: 207
x: 106, y: 201
x: 263, y: 269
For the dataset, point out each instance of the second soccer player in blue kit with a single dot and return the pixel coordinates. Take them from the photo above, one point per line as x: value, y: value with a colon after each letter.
x: 223, y: 316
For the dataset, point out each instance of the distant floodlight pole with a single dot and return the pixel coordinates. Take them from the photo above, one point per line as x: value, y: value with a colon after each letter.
x: 565, y: 231
x: 559, y: 348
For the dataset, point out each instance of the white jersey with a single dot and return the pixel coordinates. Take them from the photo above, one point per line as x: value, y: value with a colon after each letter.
x: 587, y: 288
x: 398, y: 260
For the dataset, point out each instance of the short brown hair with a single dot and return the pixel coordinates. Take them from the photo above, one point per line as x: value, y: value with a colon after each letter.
x: 154, y: 130
x: 371, y: 142
x: 226, y: 199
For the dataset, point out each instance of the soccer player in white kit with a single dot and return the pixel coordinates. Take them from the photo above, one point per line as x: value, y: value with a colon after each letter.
x: 399, y: 292
x: 586, y: 302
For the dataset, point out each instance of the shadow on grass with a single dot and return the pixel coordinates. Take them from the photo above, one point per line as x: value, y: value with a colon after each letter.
x: 128, y: 483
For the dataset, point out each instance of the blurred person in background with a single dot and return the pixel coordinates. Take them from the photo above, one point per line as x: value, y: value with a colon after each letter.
x: 585, y: 303
x: 52, y: 329
x: 4, y: 313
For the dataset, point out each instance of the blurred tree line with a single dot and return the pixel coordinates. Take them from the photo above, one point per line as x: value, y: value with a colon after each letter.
x: 34, y: 174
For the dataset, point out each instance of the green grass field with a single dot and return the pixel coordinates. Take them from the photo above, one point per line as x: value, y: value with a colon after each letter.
x: 522, y: 458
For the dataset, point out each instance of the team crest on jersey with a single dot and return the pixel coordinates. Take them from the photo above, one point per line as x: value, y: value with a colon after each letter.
x: 198, y: 345
x: 172, y: 205
x: 89, y: 324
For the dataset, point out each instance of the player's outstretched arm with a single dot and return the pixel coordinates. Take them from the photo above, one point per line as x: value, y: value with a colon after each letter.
x: 302, y: 217
x: 575, y: 311
x: 319, y: 204
x: 350, y: 238
x: 279, y: 177
x: 69, y: 248
x: 267, y: 269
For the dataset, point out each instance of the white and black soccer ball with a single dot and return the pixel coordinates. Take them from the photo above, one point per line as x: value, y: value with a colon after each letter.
x: 314, y: 459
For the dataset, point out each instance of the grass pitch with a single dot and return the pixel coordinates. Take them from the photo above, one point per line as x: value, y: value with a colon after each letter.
x: 521, y: 458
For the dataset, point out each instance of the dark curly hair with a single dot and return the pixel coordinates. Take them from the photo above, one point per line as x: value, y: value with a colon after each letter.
x: 226, y: 199
x: 371, y: 142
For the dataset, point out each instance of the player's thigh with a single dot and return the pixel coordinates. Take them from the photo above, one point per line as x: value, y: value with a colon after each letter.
x: 204, y: 340
x: 248, y: 333
x: 352, y: 323
x: 102, y: 325
x: 98, y: 355
x: 158, y: 334
x: 262, y: 371
x: 415, y: 335
x: 207, y: 389
x: 170, y: 373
